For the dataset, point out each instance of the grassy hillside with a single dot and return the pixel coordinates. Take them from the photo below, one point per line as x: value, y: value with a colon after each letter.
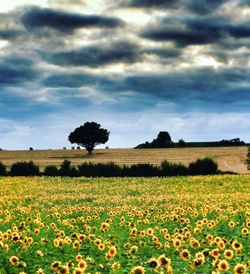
x: 228, y: 158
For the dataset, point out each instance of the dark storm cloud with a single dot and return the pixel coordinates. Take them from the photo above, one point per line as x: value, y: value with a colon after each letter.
x: 163, y: 52
x: 204, y: 7
x: 206, y: 88
x: 195, y: 31
x: 95, y: 55
x: 151, y: 3
x: 16, y: 71
x: 64, y: 21
x: 201, y: 7
x: 10, y: 34
x: 70, y: 80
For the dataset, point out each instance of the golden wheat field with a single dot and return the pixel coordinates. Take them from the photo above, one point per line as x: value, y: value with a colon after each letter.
x: 228, y: 158
x: 125, y: 225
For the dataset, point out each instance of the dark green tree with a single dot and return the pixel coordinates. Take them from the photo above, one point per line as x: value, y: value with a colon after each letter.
x: 163, y: 140
x: 89, y: 135
x: 2, y: 169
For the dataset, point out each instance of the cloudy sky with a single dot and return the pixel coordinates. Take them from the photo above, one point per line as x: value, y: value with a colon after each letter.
x: 137, y: 67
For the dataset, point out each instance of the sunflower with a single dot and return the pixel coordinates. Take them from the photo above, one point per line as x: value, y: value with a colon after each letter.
x: 143, y: 233
x: 153, y: 263
x: 194, y: 243
x: 221, y: 245
x: 223, y: 265
x: 134, y: 249
x: 170, y: 270
x: 163, y: 260
x: 76, y: 244
x: 115, y: 266
x: 185, y: 255
x: 240, y: 269
x: 215, y: 253
x: 196, y: 263
x: 82, y: 237
x: 177, y: 243
x: 236, y: 246
x: 63, y: 270
x: 37, y: 231
x: 201, y: 256
x: 217, y: 240
x: 56, y: 243
x: 150, y: 231
x: 97, y: 241
x: 101, y: 247
x: 108, y: 257
x: 82, y: 264
x: 138, y: 270
x: 122, y: 219
x: 14, y: 260
x: 69, y: 264
x: 112, y: 251
x: 78, y: 257
x: 158, y: 244
x: 166, y: 245
x: 244, y: 231
x: 55, y: 265
x: 104, y: 226
x: 39, y: 253
x: 39, y: 271
x: 78, y: 271
x: 167, y: 236
x: 43, y: 241
x: 228, y: 254
x: 133, y: 231
x: 62, y: 233
x: 15, y: 237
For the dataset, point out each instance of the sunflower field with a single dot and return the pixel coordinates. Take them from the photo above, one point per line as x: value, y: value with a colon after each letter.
x: 125, y: 225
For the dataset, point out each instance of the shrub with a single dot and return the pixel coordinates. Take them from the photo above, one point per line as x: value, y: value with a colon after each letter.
x: 173, y: 169
x: 140, y: 170
x: 99, y: 170
x: 74, y: 172
x: 108, y: 170
x: 31, y: 149
x: 2, y: 169
x: 51, y: 171
x: 203, y: 166
x: 66, y: 169
x: 24, y: 169
x: 86, y: 170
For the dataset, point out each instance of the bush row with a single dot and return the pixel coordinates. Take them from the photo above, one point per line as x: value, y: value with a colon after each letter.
x: 248, y: 158
x: 203, y: 166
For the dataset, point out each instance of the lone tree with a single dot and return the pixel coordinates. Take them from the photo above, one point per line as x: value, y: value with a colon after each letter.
x: 89, y: 135
x: 163, y: 140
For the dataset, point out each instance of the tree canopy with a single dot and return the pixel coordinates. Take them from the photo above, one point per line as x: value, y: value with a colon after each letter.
x: 163, y: 140
x: 89, y: 135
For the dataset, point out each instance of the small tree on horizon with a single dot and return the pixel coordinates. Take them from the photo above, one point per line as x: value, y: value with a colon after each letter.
x: 163, y: 140
x: 89, y: 135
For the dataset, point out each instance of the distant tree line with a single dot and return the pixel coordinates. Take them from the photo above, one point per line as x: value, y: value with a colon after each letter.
x: 164, y: 140
x: 203, y: 166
